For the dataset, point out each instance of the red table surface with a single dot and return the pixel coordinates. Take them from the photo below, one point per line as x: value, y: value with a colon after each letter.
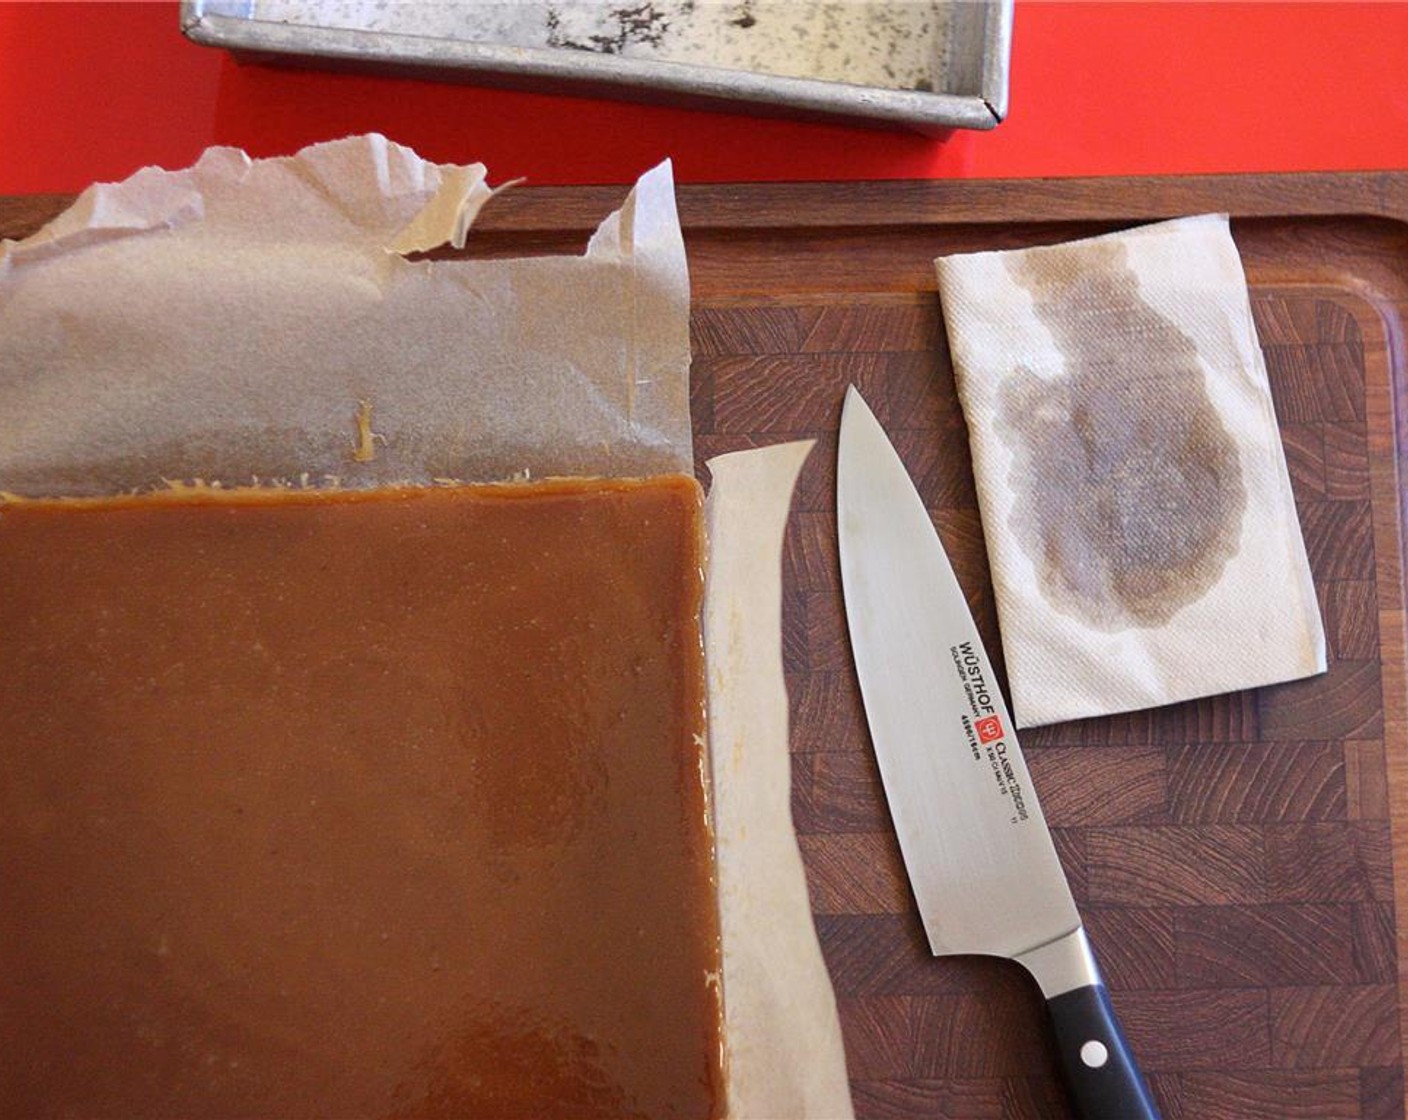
x: 93, y: 91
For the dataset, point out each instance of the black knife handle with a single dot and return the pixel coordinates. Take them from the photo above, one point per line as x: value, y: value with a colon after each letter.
x: 1101, y: 1072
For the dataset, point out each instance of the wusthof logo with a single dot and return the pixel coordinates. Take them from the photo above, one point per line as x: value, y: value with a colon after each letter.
x: 988, y: 729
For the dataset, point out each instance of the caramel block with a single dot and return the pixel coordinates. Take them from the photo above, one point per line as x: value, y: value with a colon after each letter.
x: 378, y: 804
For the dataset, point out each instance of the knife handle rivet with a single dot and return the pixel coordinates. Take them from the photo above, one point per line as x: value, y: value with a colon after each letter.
x: 1094, y: 1054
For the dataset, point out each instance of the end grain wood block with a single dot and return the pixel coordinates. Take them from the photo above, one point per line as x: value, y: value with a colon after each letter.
x: 1271, y: 1095
x: 826, y: 712
x: 1177, y: 866
x: 1247, y: 783
x: 1334, y: 1027
x: 1252, y: 946
x: 1075, y: 794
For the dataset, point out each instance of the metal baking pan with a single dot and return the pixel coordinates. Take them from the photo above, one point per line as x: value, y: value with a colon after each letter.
x: 926, y: 65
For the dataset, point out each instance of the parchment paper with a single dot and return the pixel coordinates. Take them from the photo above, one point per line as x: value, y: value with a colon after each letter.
x: 786, y: 1057
x: 258, y: 322
x: 228, y: 321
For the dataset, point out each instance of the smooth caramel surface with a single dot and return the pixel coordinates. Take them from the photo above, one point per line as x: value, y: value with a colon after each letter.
x: 381, y: 804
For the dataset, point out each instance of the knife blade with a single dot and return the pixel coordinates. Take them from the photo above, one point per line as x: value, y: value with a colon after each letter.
x: 981, y: 864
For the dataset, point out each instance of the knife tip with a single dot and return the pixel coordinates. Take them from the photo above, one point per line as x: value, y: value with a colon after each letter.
x: 854, y: 403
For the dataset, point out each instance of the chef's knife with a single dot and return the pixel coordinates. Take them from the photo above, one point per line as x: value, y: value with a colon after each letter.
x: 976, y: 846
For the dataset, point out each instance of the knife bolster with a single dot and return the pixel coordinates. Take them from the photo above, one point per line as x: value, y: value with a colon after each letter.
x: 1062, y: 965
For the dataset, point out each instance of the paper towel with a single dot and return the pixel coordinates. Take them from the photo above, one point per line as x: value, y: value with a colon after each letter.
x: 1138, y: 513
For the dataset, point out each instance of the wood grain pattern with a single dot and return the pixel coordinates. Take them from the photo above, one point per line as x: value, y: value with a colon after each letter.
x: 1381, y: 1093
x: 1239, y: 859
x: 1290, y: 1095
x: 1248, y: 782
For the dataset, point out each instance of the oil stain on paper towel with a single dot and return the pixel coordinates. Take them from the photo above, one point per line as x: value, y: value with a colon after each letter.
x: 1129, y: 492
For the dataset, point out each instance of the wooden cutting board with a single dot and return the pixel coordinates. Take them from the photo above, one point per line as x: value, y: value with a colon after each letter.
x: 1238, y: 860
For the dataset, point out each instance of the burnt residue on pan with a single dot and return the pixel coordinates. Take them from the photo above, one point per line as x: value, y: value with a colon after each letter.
x: 892, y: 44
x: 640, y: 25
x: 1129, y: 489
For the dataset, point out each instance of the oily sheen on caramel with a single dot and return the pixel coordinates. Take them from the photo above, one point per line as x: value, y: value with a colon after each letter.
x: 383, y: 804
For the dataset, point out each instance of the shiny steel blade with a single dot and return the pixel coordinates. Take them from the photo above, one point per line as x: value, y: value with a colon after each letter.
x: 975, y: 843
